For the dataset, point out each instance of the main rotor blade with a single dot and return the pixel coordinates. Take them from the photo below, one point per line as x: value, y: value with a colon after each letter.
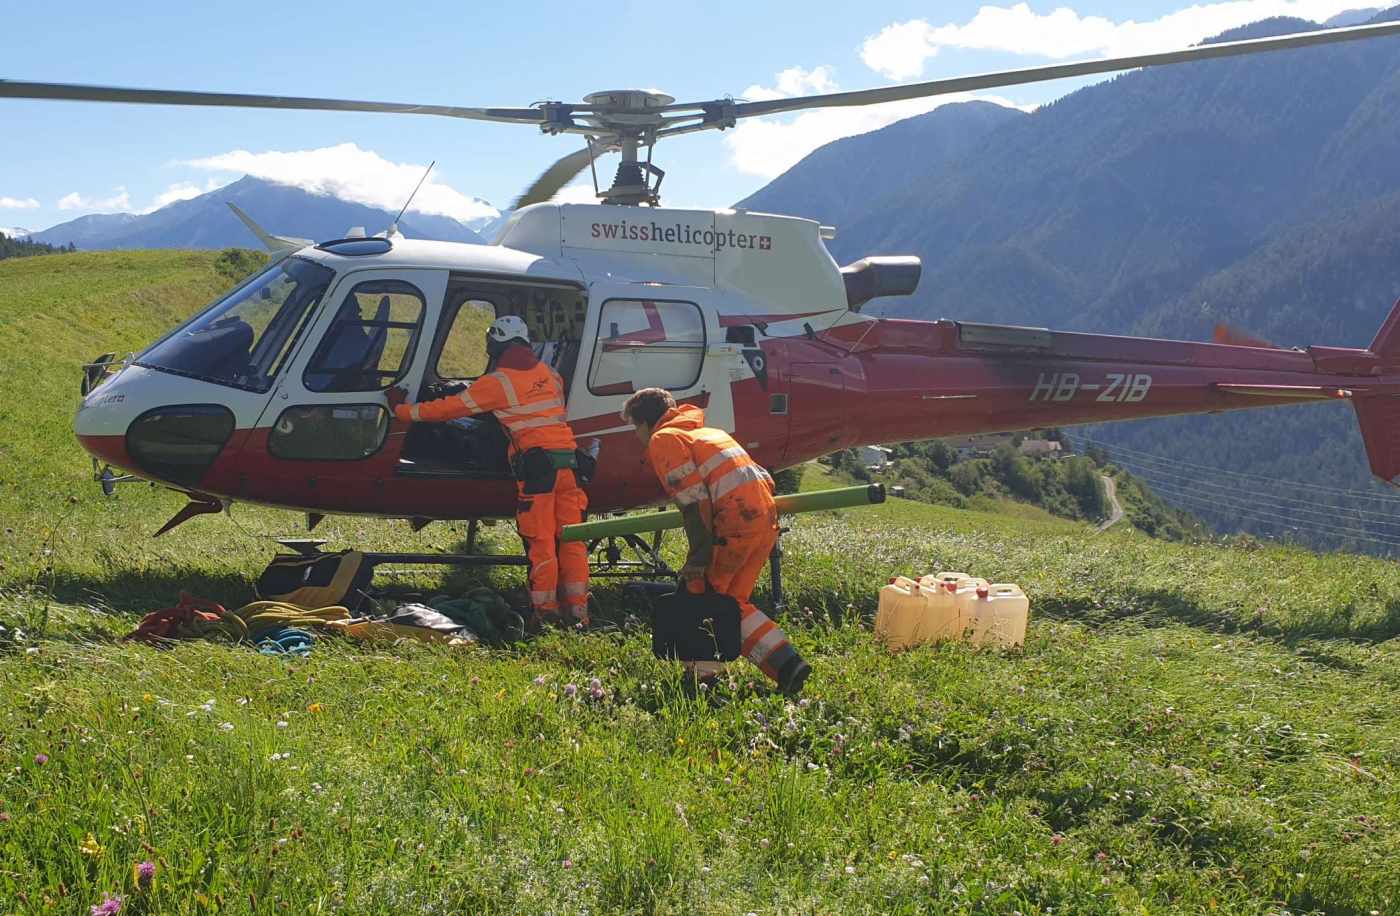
x: 16, y: 89
x: 558, y: 175
x: 1060, y: 71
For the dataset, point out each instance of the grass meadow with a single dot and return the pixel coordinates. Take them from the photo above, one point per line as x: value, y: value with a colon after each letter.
x: 1189, y: 728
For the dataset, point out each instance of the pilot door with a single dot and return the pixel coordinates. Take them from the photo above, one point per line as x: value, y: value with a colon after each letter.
x: 328, y: 441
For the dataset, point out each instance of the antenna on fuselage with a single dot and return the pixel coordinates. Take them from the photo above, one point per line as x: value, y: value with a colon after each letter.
x: 394, y: 229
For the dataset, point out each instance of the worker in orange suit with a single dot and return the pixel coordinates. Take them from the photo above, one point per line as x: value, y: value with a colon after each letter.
x: 731, y: 522
x: 527, y: 398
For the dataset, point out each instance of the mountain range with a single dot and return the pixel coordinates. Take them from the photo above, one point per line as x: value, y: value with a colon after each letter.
x: 1263, y: 192
x: 206, y: 222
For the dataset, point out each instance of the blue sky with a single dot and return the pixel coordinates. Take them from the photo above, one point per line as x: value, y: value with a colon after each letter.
x: 59, y: 160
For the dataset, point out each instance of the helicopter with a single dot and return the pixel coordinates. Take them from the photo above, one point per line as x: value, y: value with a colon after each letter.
x: 275, y: 393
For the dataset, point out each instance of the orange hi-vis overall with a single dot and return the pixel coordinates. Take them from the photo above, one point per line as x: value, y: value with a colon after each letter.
x: 706, y: 467
x: 527, y: 397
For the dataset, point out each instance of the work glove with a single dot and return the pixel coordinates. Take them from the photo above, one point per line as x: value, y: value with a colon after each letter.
x: 693, y: 578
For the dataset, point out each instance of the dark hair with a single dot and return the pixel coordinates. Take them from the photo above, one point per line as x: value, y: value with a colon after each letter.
x: 647, y: 406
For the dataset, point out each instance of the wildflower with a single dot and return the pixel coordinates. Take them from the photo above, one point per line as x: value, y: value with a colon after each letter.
x: 226, y: 726
x: 539, y: 681
x: 144, y: 874
x: 763, y: 843
x: 568, y: 863
x: 595, y: 684
x: 281, y: 723
x: 147, y: 698
x: 315, y: 707
x: 850, y: 869
x: 4, y: 817
x: 570, y: 690
x: 110, y: 906
x: 1057, y: 839
x: 41, y: 759
x: 90, y: 847
x: 474, y: 681
x: 596, y: 693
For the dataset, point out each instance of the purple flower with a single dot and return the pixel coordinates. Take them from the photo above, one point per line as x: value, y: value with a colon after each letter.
x: 596, y: 693
x: 41, y: 759
x: 568, y: 863
x: 540, y: 681
x: 595, y: 684
x: 570, y: 690
x: 145, y: 874
x: 110, y: 906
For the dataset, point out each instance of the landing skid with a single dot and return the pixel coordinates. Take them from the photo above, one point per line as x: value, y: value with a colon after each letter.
x: 624, y: 556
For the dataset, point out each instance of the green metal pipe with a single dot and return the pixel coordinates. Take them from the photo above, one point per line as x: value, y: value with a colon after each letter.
x: 841, y: 498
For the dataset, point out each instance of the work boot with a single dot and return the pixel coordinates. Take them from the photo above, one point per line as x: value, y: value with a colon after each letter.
x: 793, y: 675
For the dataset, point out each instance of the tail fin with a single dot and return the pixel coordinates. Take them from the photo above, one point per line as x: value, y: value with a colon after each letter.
x: 1380, y: 430
x: 1387, y: 342
x: 1380, y: 416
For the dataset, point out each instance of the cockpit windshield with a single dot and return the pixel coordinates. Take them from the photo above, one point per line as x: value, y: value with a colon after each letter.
x: 243, y: 339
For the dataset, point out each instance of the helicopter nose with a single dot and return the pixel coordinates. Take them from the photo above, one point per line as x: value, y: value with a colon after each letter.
x: 149, y: 423
x: 104, y: 416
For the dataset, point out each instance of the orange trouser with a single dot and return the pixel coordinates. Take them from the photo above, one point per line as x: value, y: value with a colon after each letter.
x: 735, y: 565
x: 556, y: 570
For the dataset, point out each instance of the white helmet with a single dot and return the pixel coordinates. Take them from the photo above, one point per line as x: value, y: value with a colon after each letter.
x: 507, y: 328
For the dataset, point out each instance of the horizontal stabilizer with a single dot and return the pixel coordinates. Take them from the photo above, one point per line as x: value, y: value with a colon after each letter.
x: 280, y: 246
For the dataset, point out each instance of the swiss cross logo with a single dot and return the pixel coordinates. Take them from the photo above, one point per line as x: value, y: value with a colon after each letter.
x: 765, y: 243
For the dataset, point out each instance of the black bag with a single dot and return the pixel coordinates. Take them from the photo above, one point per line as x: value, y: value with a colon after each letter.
x: 696, y: 628
x: 536, y: 470
x: 324, y: 580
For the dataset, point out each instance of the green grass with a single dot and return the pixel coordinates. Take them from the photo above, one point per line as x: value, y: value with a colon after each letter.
x: 1189, y: 728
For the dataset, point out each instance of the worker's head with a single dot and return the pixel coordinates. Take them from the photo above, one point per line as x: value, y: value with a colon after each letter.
x: 505, y: 332
x: 645, y: 409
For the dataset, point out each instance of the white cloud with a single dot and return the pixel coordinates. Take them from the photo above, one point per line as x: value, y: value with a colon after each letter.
x: 184, y: 190
x: 793, y: 81
x: 354, y: 174
x: 900, y: 49
x: 117, y: 203
x: 769, y: 146
x: 19, y: 203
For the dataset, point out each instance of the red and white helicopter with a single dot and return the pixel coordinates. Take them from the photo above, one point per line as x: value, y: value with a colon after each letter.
x: 275, y: 393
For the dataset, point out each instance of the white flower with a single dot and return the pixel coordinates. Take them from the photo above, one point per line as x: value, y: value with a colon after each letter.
x: 226, y: 726
x: 281, y: 723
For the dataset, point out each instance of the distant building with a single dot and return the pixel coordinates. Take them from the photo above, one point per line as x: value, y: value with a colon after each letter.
x: 874, y: 457
x: 1040, y: 448
x: 977, y: 446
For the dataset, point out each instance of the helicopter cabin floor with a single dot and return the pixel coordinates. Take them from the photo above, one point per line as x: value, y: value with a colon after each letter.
x: 1189, y: 727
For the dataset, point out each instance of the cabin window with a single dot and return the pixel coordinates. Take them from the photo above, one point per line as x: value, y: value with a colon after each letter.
x: 329, y: 432
x: 645, y: 343
x: 370, y: 343
x: 463, y: 352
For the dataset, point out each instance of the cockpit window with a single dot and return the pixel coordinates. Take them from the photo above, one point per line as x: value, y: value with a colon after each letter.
x: 244, y: 339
